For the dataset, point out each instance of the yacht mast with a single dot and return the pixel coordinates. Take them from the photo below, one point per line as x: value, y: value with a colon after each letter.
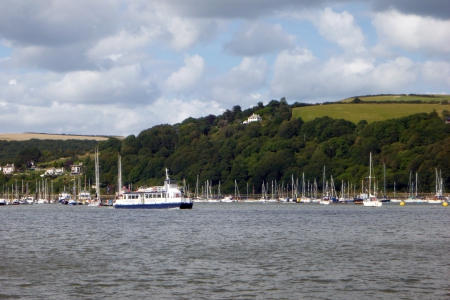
x: 97, y: 175
x: 119, y: 175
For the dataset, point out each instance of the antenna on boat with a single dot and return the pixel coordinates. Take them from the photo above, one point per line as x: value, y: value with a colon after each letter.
x: 167, y: 174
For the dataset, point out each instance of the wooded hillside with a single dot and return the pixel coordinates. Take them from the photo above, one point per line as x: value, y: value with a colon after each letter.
x: 222, y: 149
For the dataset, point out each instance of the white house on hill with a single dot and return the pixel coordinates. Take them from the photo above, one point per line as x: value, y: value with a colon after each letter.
x: 253, y: 118
x: 76, y: 169
x: 9, y: 169
x: 54, y: 171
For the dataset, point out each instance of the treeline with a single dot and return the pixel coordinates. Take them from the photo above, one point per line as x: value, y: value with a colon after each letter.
x: 40, y: 151
x: 222, y: 149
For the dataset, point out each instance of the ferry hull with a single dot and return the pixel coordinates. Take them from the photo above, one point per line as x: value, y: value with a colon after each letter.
x: 186, y: 205
x: 154, y: 206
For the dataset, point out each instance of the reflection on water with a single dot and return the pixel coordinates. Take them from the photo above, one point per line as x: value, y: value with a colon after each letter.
x: 225, y: 251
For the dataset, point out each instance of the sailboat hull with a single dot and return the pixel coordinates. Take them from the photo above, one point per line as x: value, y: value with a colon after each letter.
x: 372, y: 203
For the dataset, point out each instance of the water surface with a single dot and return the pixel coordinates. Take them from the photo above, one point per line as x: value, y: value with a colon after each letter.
x: 226, y: 251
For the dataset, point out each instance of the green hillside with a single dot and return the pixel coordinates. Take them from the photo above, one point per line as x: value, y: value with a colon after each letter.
x: 365, y: 111
x: 402, y: 97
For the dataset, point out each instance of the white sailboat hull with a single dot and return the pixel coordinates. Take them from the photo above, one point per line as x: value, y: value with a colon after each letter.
x: 372, y: 203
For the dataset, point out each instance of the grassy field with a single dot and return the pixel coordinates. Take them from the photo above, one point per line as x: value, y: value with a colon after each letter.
x: 422, y: 98
x: 369, y: 112
x: 43, y: 136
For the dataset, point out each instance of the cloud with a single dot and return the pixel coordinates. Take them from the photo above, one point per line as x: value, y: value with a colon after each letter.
x: 231, y: 9
x: 301, y: 76
x: 113, y: 66
x: 413, y: 33
x: 432, y: 8
x: 241, y: 83
x: 437, y: 73
x: 56, y: 23
x: 122, y: 46
x: 185, y: 33
x: 258, y: 38
x: 188, y: 76
x: 59, y: 59
x: 340, y: 28
x: 121, y: 86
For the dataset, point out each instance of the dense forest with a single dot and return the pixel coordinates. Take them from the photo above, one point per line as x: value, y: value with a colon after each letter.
x: 223, y: 149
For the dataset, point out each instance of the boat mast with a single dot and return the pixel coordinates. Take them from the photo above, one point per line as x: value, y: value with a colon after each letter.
x: 119, y: 175
x: 384, y: 172
x: 323, y: 183
x: 416, y: 184
x: 97, y: 175
x: 370, y: 172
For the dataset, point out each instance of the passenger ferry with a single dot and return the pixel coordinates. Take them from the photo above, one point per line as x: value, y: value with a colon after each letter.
x: 157, y: 197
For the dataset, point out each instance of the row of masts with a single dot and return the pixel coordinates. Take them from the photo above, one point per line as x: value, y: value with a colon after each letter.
x: 308, y: 189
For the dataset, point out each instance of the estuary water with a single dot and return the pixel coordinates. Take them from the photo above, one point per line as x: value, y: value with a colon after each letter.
x: 226, y: 251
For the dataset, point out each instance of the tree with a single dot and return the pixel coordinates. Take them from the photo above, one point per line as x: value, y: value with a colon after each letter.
x: 29, y: 156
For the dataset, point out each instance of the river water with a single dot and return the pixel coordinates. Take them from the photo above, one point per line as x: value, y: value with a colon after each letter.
x: 226, y: 251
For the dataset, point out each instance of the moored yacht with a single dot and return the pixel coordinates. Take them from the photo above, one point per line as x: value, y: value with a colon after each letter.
x: 372, y: 200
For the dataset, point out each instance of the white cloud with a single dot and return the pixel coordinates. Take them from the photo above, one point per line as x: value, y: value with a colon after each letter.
x: 121, y: 85
x: 255, y: 96
x: 294, y: 72
x: 340, y: 28
x: 188, y: 76
x: 437, y: 73
x: 12, y: 82
x: 123, y: 44
x: 299, y: 75
x: 185, y: 33
x: 413, y: 32
x: 238, y: 85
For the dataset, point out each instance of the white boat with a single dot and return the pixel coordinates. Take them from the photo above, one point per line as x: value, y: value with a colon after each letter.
x: 226, y: 199
x: 84, y: 196
x: 325, y: 200
x: 3, y: 201
x: 158, y: 197
x: 26, y: 200
x: 42, y: 201
x: 72, y: 202
x: 304, y: 200
x: 372, y: 200
x: 439, y: 197
x: 64, y: 197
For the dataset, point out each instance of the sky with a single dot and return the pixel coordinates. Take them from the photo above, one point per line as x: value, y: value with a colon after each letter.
x: 117, y: 67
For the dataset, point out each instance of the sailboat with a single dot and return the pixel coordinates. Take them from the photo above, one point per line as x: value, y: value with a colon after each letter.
x: 98, y: 201
x: 73, y: 201
x: 3, y: 199
x: 326, y: 198
x: 439, y: 195
x: 385, y: 197
x: 372, y: 200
